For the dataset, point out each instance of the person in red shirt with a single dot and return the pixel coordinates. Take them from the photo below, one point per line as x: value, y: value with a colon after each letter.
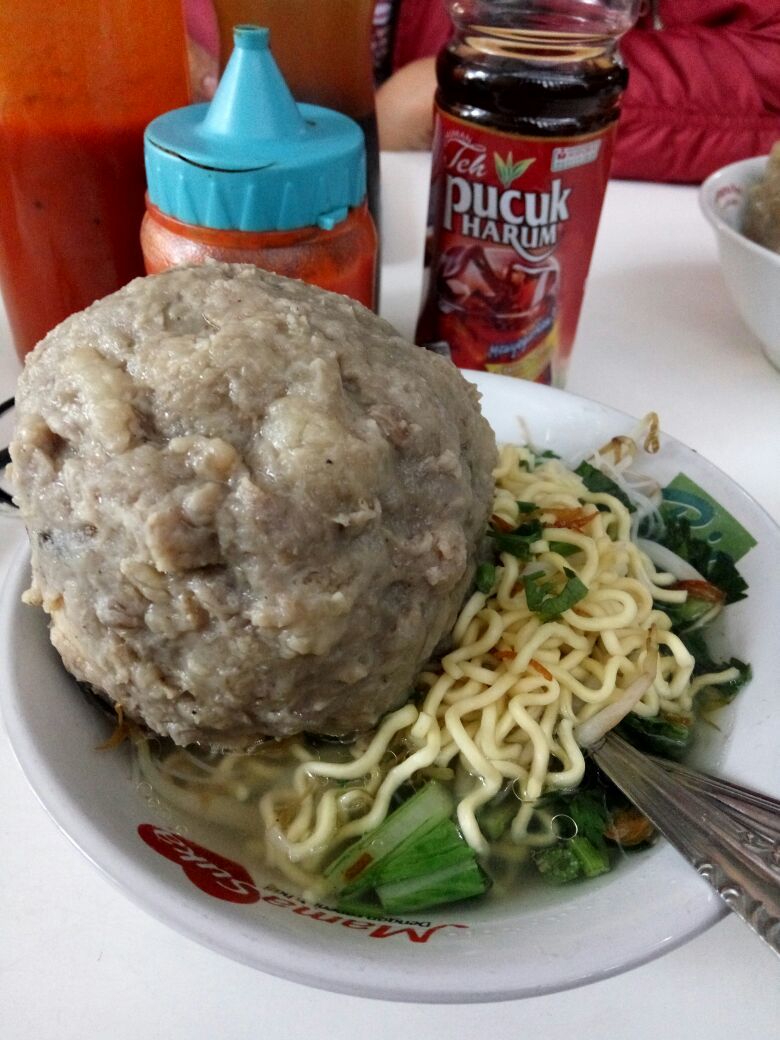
x: 703, y: 90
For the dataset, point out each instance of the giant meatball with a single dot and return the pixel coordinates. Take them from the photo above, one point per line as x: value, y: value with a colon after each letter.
x: 254, y: 509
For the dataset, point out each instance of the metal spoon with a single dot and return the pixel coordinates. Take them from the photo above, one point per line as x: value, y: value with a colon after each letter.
x: 730, y: 834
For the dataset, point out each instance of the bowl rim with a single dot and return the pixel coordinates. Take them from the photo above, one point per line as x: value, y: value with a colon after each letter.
x: 706, y: 193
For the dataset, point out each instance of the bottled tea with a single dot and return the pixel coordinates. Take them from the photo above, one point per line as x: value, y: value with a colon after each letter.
x: 526, y: 109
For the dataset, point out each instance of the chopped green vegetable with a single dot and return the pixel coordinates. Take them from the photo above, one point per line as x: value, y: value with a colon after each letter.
x: 534, y: 588
x: 512, y: 544
x: 696, y: 645
x: 369, y: 873
x: 447, y: 885
x: 594, y: 860
x: 517, y: 542
x: 600, y: 484
x: 548, y: 453
x: 572, y: 859
x: 713, y: 564
x: 424, y: 851
x: 710, y: 697
x: 684, y: 615
x: 589, y: 811
x: 485, y: 578
x: 495, y: 817
x: 723, y: 693
x: 356, y: 864
x: 527, y: 507
x: 542, y: 598
x: 728, y: 690
x: 416, y: 859
x: 564, y: 548
x: 657, y: 735
x: 360, y: 904
x: 558, y: 863
x: 429, y: 851
x: 714, y: 696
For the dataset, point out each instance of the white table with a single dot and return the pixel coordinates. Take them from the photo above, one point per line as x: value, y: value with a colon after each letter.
x: 79, y: 962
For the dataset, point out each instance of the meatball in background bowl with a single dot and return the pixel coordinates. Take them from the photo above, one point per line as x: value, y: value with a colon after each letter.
x: 751, y: 271
x: 253, y: 508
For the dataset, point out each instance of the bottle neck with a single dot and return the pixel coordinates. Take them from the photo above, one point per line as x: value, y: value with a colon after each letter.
x: 601, y: 17
x: 536, y: 46
x: 548, y: 90
x: 559, y: 33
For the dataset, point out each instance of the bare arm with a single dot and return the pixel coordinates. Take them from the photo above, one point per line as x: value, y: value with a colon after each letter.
x: 404, y: 107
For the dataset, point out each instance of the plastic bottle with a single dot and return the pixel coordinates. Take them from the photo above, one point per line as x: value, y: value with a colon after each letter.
x: 323, y: 48
x: 79, y: 81
x: 254, y: 177
x: 526, y: 109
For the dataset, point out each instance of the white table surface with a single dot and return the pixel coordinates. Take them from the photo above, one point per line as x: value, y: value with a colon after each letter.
x: 80, y: 962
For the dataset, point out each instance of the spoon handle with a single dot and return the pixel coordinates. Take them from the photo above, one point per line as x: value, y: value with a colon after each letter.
x: 731, y: 835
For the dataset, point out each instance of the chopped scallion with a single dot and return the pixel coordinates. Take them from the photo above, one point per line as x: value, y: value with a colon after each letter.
x: 600, y: 484
x: 485, y: 578
x: 542, y: 598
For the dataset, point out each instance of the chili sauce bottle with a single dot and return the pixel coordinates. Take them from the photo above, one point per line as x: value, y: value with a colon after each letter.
x: 79, y: 82
x: 525, y: 115
x: 253, y: 177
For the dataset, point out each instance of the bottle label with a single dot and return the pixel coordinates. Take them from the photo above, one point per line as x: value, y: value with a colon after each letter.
x: 512, y: 225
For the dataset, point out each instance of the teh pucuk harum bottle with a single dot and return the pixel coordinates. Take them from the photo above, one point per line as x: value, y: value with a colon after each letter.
x: 526, y: 109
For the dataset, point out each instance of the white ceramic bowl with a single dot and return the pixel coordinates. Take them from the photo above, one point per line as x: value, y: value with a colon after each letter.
x: 535, y: 942
x: 751, y: 272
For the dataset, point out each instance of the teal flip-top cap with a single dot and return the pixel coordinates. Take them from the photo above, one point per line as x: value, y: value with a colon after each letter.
x: 253, y: 159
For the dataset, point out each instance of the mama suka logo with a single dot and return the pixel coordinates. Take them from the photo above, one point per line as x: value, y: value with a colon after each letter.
x: 528, y: 221
x: 225, y: 879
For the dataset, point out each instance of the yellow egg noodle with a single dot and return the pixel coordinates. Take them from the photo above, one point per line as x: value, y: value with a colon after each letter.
x: 502, y: 707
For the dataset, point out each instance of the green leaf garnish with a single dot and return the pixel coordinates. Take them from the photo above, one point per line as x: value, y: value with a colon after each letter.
x: 485, y: 578
x: 544, y: 600
x: 713, y: 564
x: 657, y: 735
x: 571, y: 860
x: 564, y: 548
x: 518, y: 542
x: 714, y: 696
x: 600, y: 484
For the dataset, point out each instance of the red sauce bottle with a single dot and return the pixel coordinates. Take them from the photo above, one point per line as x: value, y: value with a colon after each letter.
x: 526, y: 109
x: 79, y: 81
x: 255, y: 178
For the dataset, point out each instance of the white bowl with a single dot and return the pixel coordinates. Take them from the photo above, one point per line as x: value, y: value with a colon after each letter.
x: 535, y: 942
x: 751, y: 272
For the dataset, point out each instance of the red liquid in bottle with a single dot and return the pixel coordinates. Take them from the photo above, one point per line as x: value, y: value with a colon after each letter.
x: 72, y: 234
x: 524, y: 128
x: 79, y: 81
